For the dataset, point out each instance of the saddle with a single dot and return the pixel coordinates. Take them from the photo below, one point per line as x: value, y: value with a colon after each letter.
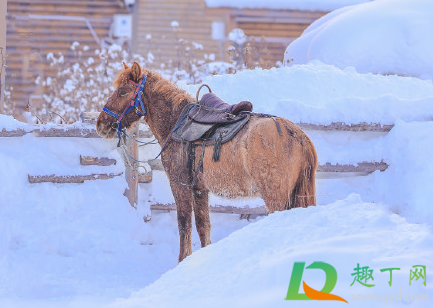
x: 211, y: 122
x: 212, y: 110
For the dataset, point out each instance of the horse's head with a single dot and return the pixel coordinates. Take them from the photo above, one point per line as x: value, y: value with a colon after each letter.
x: 122, y: 108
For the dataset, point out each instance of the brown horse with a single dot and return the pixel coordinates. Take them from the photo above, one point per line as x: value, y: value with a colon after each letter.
x: 258, y: 161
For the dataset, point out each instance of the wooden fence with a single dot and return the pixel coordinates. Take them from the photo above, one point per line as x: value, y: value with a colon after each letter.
x: 133, y: 177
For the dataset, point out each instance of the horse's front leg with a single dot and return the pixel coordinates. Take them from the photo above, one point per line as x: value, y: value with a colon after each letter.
x: 201, y: 212
x: 184, y: 202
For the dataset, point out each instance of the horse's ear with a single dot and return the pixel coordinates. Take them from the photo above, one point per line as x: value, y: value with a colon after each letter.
x: 125, y: 66
x: 136, y: 71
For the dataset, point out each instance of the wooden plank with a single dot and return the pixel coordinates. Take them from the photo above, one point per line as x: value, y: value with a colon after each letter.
x: 156, y: 165
x: 217, y: 209
x: 70, y: 131
x: 24, y: 23
x: 64, y: 10
x: 98, y: 161
x: 74, y: 132
x: 364, y: 167
x: 29, y: 29
x: 62, y: 2
x: 285, y: 33
x: 340, y: 126
x: 271, y: 26
x: 3, y: 60
x: 90, y: 118
x: 56, y: 41
x: 67, y: 131
x: 306, y: 21
x: 12, y: 133
x: 145, y: 177
x: 70, y: 178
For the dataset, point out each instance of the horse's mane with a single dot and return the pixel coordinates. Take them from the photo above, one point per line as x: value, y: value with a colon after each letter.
x: 165, y: 88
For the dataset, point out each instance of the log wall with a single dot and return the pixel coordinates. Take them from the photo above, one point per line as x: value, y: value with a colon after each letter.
x: 37, y: 27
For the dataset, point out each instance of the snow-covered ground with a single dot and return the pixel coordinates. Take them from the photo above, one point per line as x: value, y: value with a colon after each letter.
x: 78, y: 245
x: 252, y: 267
x: 71, y: 243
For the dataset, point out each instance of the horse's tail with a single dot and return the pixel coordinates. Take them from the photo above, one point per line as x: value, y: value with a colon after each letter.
x: 304, y: 193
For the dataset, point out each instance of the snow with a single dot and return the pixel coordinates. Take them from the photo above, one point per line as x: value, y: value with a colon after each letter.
x: 78, y: 245
x: 83, y: 245
x: 383, y: 37
x: 409, y: 154
x: 219, y: 67
x: 309, y: 5
x: 235, y: 273
x: 321, y: 94
x: 237, y: 36
x: 8, y: 123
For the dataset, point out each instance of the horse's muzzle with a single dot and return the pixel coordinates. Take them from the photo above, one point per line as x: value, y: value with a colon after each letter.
x: 104, y: 128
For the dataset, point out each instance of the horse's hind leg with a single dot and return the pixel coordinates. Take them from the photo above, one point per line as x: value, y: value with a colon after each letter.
x: 201, y: 212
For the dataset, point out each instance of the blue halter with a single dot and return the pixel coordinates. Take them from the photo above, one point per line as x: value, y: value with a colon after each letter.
x: 135, y: 103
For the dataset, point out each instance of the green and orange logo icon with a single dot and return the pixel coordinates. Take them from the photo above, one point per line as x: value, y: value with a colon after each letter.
x: 310, y: 293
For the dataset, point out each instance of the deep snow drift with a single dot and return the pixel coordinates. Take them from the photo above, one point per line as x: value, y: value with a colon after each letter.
x: 321, y: 94
x: 384, y: 37
x: 252, y: 267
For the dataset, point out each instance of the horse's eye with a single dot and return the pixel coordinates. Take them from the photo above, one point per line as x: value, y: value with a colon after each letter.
x: 122, y: 93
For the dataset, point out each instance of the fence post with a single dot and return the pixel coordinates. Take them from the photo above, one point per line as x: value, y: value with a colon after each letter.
x: 131, y: 171
x: 3, y: 10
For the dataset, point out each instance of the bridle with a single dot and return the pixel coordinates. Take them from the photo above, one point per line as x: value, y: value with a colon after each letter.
x: 135, y: 103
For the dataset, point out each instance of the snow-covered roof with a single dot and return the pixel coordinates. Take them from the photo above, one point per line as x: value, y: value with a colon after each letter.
x: 306, y: 5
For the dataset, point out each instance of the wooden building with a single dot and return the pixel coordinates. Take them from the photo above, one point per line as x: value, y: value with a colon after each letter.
x: 2, y: 52
x: 38, y: 27
x: 210, y: 27
x: 166, y: 28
